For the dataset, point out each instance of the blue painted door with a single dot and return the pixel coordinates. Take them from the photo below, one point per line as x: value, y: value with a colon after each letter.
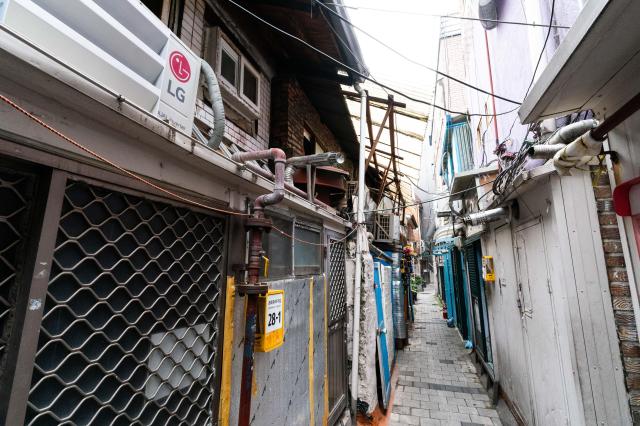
x: 381, y: 340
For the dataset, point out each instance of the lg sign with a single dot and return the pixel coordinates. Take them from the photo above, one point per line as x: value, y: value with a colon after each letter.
x: 181, y: 70
x: 180, y: 66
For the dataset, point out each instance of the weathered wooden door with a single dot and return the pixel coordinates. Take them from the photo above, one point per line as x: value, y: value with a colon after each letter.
x: 511, y: 359
x: 539, y: 323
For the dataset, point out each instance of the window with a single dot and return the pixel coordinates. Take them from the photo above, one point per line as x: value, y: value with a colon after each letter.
x: 170, y: 12
x: 239, y: 80
x: 229, y: 65
x: 307, y: 257
x: 250, y: 83
x: 308, y: 142
x: 278, y: 249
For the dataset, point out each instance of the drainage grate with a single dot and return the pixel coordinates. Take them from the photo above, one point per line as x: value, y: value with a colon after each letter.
x: 130, y: 328
x: 337, y: 286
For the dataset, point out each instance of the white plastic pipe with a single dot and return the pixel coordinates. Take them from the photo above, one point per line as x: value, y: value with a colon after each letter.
x: 359, y: 247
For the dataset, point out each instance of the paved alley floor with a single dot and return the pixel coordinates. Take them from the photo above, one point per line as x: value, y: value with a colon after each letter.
x: 436, y: 381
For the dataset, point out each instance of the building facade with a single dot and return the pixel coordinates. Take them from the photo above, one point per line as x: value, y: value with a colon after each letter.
x: 123, y: 232
x: 554, y: 330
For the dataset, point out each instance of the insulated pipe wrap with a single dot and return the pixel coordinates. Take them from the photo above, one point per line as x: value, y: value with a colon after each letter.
x: 570, y: 132
x: 216, y: 105
x: 544, y: 152
x: 577, y: 153
x: 486, y: 216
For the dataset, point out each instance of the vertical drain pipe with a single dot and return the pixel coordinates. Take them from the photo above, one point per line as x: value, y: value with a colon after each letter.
x: 359, y: 248
x: 257, y: 224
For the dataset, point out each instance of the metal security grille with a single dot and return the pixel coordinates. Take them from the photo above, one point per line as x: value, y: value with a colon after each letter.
x: 130, y: 327
x: 337, y: 286
x: 17, y: 191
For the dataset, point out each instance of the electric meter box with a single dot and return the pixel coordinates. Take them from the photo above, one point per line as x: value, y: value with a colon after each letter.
x: 488, y: 273
x: 270, y: 327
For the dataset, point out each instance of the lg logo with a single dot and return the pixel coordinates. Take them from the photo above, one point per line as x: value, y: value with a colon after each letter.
x: 180, y: 66
x: 181, y: 70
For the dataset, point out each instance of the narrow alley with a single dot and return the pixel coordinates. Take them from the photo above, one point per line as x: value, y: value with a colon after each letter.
x: 437, y: 382
x: 319, y: 212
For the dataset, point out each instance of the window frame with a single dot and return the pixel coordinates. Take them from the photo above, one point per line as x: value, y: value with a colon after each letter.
x: 245, y: 64
x: 307, y: 270
x: 225, y: 46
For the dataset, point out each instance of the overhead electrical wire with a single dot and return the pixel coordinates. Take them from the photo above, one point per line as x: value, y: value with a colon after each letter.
x: 433, y: 15
x: 535, y: 71
x: 342, y: 18
x: 144, y: 180
x: 358, y: 73
x: 430, y: 200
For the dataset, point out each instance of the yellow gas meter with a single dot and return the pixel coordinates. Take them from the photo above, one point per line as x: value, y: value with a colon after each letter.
x: 488, y: 273
x: 270, y: 332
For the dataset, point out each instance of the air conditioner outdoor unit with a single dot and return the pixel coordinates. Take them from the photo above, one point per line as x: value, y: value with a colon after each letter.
x: 119, y: 44
x: 387, y: 227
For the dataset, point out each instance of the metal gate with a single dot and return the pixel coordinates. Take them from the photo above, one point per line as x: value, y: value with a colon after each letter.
x: 473, y: 257
x: 129, y: 314
x: 22, y: 188
x: 336, y: 344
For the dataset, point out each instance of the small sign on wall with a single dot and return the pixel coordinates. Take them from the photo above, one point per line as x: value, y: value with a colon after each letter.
x: 488, y: 273
x: 270, y: 333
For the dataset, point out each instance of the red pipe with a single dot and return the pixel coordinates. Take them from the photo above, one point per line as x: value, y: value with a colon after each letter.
x: 280, y: 158
x: 257, y: 224
x: 493, y: 98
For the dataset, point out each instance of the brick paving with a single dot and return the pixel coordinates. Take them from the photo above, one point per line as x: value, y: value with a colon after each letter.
x: 436, y: 382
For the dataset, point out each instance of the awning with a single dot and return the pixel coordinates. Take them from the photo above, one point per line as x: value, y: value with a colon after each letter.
x: 464, y: 182
x: 595, y: 67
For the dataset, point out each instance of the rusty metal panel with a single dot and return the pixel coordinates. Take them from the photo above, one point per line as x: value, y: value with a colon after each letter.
x: 281, y: 377
x: 319, y: 347
x: 130, y: 326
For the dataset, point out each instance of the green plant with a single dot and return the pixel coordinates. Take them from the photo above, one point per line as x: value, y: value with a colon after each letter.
x: 416, y: 283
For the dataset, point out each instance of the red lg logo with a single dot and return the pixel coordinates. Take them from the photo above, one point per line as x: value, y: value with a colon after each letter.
x: 180, y: 66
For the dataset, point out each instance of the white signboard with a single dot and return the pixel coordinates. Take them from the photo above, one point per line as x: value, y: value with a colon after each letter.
x: 275, y: 312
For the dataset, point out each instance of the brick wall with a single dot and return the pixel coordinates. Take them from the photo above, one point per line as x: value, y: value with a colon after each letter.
x: 192, y: 31
x: 192, y: 34
x: 292, y: 112
x: 619, y: 288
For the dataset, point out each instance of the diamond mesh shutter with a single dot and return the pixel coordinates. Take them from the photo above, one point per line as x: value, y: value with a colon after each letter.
x: 17, y: 192
x: 336, y: 346
x: 337, y: 287
x: 130, y: 327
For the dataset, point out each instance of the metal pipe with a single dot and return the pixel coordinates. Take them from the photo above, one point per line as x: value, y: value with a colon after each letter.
x: 435, y: 86
x: 289, y: 171
x: 280, y: 158
x: 486, y: 216
x: 216, y: 105
x: 493, y: 98
x: 570, y: 132
x: 359, y: 249
x: 322, y: 159
x: 257, y: 224
x: 577, y: 153
x: 625, y: 111
x: 544, y: 152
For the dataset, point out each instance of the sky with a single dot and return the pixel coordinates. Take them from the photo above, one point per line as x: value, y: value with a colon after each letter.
x: 412, y: 34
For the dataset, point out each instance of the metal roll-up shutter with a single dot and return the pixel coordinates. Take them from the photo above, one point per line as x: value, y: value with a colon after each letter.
x: 472, y: 267
x: 130, y: 328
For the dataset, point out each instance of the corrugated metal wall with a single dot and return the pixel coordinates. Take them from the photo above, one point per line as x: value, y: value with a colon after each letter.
x: 289, y: 382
